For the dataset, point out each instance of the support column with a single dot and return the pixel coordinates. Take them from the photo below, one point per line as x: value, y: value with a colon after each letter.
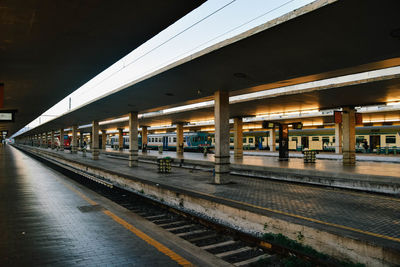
x: 271, y: 140
x: 74, y: 140
x: 52, y: 140
x: 80, y: 144
x: 338, y: 138
x: 221, y: 119
x: 133, y: 139
x: 349, y: 136
x: 103, y: 139
x: 95, y: 141
x: 62, y: 139
x: 238, y: 138
x: 44, y: 137
x: 120, y: 139
x: 144, y: 138
x: 179, y: 138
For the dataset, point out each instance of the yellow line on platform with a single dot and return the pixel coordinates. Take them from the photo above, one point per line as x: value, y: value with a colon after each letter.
x: 180, y: 260
x: 160, y: 247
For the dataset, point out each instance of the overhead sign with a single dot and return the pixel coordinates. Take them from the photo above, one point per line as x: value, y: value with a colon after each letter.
x: 338, y: 116
x: 4, y: 133
x: 7, y: 115
x: 297, y: 125
x: 359, y: 119
x: 268, y: 125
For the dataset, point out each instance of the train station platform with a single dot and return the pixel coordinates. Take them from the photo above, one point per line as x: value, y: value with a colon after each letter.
x: 50, y: 220
x: 372, y: 176
x: 361, y: 226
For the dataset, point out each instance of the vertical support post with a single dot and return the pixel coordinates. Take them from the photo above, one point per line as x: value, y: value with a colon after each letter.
x: 271, y: 140
x: 179, y: 138
x: 338, y: 138
x: 52, y: 140
x: 133, y: 139
x: 90, y: 139
x: 103, y: 139
x: 62, y: 139
x: 74, y: 141
x: 95, y: 142
x: 120, y: 139
x: 44, y: 140
x: 144, y: 138
x: 221, y: 119
x: 80, y: 144
x: 349, y: 136
x: 238, y: 138
x: 283, y: 142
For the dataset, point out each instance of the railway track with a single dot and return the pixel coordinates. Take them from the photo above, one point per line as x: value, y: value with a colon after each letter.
x: 215, y: 240
x: 231, y: 245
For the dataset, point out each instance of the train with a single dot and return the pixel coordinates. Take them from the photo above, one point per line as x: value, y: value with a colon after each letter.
x: 192, y: 141
x: 323, y: 139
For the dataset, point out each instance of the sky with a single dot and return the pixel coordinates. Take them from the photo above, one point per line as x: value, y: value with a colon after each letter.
x: 212, y: 22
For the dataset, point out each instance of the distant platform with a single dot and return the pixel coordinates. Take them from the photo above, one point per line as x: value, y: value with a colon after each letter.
x: 372, y: 176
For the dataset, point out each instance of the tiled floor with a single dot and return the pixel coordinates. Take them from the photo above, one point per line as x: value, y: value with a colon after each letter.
x: 42, y: 223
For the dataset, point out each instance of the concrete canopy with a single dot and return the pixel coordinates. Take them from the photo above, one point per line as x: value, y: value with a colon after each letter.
x: 50, y: 48
x: 337, y: 39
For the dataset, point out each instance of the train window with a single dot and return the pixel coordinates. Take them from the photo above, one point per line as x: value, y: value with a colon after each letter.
x: 262, y: 139
x: 294, y: 139
x: 325, y: 139
x: 333, y: 140
x: 251, y: 140
x: 174, y: 139
x: 390, y: 139
x: 244, y: 139
x: 315, y: 138
x: 231, y: 140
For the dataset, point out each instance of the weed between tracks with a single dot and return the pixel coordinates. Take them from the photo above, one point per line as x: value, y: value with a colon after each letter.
x: 291, y: 260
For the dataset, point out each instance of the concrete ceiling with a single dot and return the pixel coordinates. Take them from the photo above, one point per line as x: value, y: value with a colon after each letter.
x: 341, y: 38
x: 50, y: 48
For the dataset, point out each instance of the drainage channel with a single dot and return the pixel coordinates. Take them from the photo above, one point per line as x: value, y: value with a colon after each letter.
x: 230, y: 245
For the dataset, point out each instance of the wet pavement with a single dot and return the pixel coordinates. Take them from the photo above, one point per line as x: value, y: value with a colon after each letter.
x: 44, y: 222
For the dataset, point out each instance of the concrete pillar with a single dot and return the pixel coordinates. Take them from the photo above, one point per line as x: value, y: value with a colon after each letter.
x: 44, y: 140
x: 52, y: 140
x: 349, y: 136
x: 95, y: 141
x: 133, y: 139
x: 74, y: 140
x: 80, y: 144
x: 144, y: 138
x: 90, y: 140
x: 120, y: 139
x: 103, y: 139
x: 271, y: 140
x: 238, y: 138
x: 221, y: 119
x: 179, y: 138
x: 62, y: 139
x: 338, y: 138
